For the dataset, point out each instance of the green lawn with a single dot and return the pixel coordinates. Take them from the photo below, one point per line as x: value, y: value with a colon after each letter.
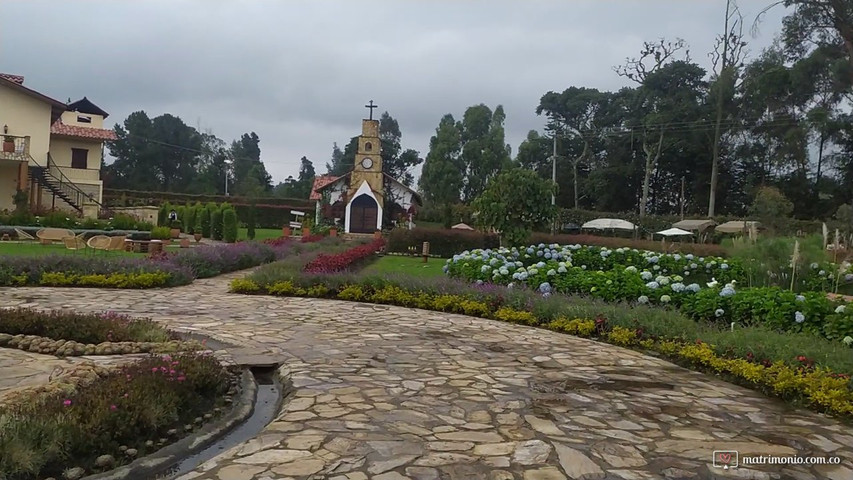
x: 260, y: 233
x: 39, y: 249
x: 413, y: 266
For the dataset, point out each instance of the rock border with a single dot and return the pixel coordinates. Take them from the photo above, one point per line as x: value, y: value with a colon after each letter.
x: 70, y: 348
x: 161, y: 460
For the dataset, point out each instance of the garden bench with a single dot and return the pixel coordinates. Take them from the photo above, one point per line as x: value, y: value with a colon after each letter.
x: 50, y: 235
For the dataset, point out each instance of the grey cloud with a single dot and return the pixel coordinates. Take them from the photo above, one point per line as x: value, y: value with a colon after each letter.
x: 298, y: 73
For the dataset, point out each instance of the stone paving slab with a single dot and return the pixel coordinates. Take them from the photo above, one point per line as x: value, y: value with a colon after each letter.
x: 21, y: 370
x: 391, y: 393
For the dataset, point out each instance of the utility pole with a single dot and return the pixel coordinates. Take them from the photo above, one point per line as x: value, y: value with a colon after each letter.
x: 554, y: 179
x: 682, y: 197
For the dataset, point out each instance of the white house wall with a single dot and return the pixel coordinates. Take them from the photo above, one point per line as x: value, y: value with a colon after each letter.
x: 401, y: 195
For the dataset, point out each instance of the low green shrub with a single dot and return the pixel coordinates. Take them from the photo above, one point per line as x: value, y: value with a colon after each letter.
x: 145, y: 401
x: 161, y: 233
x: 121, y: 221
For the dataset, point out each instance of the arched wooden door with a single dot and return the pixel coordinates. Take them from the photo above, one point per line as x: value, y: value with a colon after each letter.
x: 362, y: 214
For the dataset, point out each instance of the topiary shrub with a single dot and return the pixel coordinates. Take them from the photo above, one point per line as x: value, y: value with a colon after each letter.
x: 198, y: 221
x: 189, y: 223
x: 204, y: 218
x: 251, y: 218
x: 229, y: 225
x: 216, y: 224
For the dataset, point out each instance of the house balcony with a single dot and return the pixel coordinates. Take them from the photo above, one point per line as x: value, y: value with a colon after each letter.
x: 15, y: 147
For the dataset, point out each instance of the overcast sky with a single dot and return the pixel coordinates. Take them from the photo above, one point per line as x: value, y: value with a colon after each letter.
x: 299, y: 72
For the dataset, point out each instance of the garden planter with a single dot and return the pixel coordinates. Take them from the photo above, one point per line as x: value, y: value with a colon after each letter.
x: 333, y: 232
x: 155, y: 246
x: 185, y: 242
x: 285, y: 231
x: 197, y: 237
x: 175, y: 232
x: 9, y: 147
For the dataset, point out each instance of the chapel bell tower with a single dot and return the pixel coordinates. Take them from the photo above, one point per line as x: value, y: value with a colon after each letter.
x: 368, y: 160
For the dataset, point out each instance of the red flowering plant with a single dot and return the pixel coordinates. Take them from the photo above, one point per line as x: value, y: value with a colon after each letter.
x: 341, y: 261
x: 310, y: 238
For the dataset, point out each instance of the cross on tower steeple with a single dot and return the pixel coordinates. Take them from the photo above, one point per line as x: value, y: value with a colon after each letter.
x: 371, y: 106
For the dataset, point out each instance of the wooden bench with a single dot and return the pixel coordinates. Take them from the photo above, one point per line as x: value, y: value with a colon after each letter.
x: 49, y: 235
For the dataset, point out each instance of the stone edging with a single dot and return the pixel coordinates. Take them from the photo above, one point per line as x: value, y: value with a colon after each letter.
x: 70, y: 348
x: 169, y: 455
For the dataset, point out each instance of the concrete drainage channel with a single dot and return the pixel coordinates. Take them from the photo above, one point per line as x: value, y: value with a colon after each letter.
x: 268, y: 397
x: 261, y: 394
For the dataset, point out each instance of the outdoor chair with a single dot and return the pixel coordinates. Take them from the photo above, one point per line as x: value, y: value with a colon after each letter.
x: 50, y: 235
x: 99, y: 242
x: 22, y: 235
x: 116, y: 243
x: 74, y: 243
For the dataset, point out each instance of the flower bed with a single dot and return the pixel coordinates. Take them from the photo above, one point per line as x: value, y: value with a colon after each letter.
x: 165, y: 269
x: 779, y: 364
x: 341, y: 261
x: 64, y: 333
x: 111, y: 418
x: 693, y: 284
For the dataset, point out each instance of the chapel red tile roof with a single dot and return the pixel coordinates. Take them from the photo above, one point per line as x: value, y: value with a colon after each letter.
x: 320, y: 182
x: 59, y: 128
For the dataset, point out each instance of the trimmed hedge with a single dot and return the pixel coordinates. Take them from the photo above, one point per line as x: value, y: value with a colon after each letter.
x: 702, y: 249
x: 442, y: 242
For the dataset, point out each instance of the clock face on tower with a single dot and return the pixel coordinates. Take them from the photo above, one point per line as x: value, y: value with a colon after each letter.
x: 367, y: 163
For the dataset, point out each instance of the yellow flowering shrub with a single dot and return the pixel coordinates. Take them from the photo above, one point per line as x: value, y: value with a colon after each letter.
x: 473, y: 308
x: 445, y: 303
x: 352, y: 293
x: 285, y: 288
x: 57, y: 279
x: 575, y: 326
x: 113, y: 280
x: 388, y: 294
x: 512, y: 315
x: 244, y: 285
x: 622, y: 336
x: 318, y: 290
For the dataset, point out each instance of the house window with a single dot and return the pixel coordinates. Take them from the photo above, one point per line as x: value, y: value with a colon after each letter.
x: 84, y: 119
x: 79, y: 157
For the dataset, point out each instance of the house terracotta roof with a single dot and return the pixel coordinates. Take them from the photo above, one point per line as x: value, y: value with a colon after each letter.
x: 59, y: 128
x: 319, y: 183
x: 13, y: 78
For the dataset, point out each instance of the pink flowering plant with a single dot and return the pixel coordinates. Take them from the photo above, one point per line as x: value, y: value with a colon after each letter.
x: 128, y: 406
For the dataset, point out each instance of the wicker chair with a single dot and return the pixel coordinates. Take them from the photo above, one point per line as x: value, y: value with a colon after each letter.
x: 117, y: 243
x: 74, y: 243
x: 99, y: 242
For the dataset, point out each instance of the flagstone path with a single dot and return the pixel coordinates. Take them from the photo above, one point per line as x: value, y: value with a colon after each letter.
x: 391, y: 393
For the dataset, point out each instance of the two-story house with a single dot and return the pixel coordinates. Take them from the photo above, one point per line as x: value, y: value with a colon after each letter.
x: 51, y: 152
